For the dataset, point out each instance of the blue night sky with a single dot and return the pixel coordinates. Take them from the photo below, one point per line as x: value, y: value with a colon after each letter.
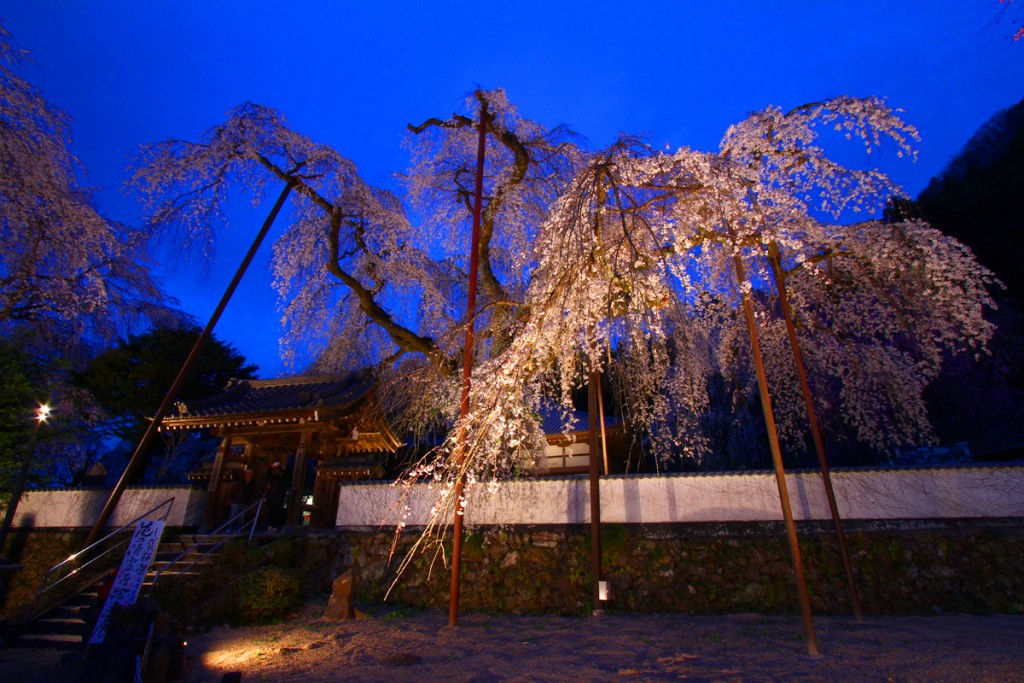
x: 354, y: 74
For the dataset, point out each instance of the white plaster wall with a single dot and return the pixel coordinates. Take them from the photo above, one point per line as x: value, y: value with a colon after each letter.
x: 82, y: 507
x: 960, y: 492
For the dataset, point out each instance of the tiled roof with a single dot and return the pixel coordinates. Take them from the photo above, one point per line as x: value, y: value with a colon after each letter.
x: 289, y: 394
x: 554, y: 420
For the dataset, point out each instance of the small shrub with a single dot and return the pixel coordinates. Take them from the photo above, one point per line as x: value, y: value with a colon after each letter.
x: 280, y: 553
x: 268, y: 595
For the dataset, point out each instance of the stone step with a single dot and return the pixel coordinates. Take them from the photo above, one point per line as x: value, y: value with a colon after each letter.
x: 198, y: 558
x: 179, y: 548
x: 171, y: 548
x: 57, y: 626
x: 58, y: 641
x: 65, y: 627
x: 167, y: 576
x: 66, y: 611
x: 205, y: 540
x: 197, y: 563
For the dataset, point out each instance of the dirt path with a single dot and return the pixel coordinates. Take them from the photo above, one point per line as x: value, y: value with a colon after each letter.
x: 420, y: 647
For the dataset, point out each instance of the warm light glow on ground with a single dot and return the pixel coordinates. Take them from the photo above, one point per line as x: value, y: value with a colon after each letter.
x: 233, y: 654
x: 248, y: 651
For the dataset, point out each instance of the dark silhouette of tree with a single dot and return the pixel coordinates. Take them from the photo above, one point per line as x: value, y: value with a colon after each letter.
x: 129, y: 380
x: 979, y: 199
x: 16, y: 403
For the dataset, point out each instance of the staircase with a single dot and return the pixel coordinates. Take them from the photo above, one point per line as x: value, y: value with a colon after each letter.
x: 69, y: 625
x: 188, y: 555
x: 65, y: 627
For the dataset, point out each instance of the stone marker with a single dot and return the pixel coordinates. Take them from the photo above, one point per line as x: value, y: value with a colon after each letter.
x: 340, y: 605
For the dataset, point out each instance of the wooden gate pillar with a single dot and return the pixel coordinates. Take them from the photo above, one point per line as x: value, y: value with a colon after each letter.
x: 213, y: 501
x: 298, y: 480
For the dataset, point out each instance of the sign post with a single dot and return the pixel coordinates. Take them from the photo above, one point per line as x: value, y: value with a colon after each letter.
x: 134, y: 566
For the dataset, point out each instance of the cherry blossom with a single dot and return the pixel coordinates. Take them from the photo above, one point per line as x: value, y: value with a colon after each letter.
x: 66, y: 270
x: 636, y: 276
x: 628, y: 261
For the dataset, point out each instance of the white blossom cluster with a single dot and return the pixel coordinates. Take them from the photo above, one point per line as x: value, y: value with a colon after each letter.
x: 627, y: 261
x: 64, y: 268
x: 644, y: 259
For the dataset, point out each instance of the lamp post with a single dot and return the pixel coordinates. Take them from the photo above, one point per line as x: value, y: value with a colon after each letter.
x: 41, y: 415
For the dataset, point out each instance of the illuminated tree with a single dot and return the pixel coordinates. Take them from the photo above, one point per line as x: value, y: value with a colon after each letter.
x: 626, y: 260
x: 357, y: 280
x: 647, y: 256
x: 65, y: 270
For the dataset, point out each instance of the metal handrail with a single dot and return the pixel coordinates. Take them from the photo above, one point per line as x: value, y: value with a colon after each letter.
x: 74, y: 557
x: 219, y: 533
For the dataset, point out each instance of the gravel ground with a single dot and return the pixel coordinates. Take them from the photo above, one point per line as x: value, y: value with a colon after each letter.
x: 420, y: 647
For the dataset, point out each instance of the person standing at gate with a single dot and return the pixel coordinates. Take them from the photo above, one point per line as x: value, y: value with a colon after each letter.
x: 277, y: 488
x: 241, y: 499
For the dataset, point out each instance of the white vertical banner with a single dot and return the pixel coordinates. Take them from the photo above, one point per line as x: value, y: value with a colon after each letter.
x: 134, y: 566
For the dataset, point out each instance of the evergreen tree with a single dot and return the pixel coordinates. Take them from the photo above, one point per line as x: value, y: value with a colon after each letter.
x: 129, y: 380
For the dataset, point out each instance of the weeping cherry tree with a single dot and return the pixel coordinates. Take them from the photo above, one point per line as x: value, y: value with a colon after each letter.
x: 643, y: 262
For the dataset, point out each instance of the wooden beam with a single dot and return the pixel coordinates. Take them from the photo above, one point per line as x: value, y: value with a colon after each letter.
x: 268, y: 429
x: 216, y: 477
x: 298, y: 480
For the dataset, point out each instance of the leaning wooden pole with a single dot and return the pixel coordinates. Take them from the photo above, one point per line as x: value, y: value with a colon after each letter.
x: 595, y: 443
x: 780, y: 473
x: 467, y: 371
x: 138, y: 456
x: 775, y: 261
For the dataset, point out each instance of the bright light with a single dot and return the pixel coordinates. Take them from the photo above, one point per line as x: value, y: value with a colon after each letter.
x: 43, y: 412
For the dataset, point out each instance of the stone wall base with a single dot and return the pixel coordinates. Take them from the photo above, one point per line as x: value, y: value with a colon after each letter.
x: 911, y: 567
x: 956, y: 566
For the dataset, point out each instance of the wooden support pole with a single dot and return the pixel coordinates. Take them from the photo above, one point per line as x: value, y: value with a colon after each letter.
x: 595, y: 442
x: 604, y: 436
x: 780, y: 472
x: 775, y: 261
x: 139, y: 457
x: 467, y: 370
